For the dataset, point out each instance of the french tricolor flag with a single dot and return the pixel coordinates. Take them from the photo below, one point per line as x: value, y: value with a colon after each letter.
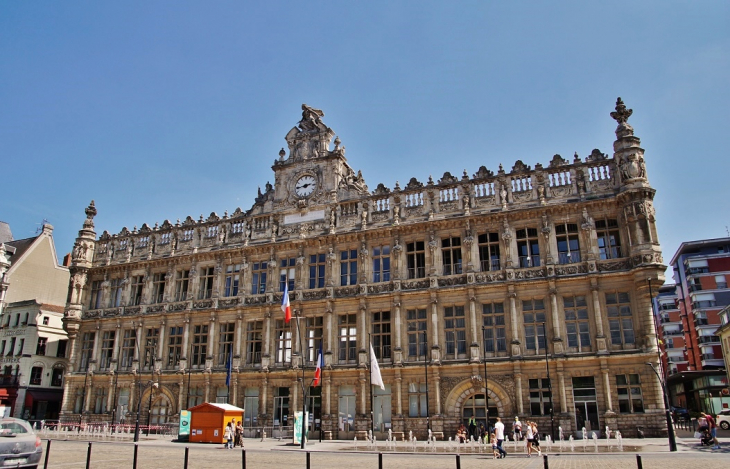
x: 285, y: 305
x: 320, y: 365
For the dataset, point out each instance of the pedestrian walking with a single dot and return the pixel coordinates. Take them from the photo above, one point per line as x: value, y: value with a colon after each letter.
x: 228, y: 436
x: 712, y: 425
x: 517, y: 429
x: 472, y: 427
x: 238, y: 441
x: 499, y: 433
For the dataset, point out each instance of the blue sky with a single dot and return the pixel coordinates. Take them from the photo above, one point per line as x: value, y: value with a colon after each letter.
x: 159, y: 110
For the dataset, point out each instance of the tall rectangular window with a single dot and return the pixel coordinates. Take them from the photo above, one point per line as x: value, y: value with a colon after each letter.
x: 629, y: 394
x: 528, y: 248
x: 534, y: 318
x: 152, y: 335
x: 182, y: 283
x: 493, y: 330
x: 40, y: 349
x: 381, y: 263
x: 36, y: 374
x: 254, y: 340
x: 576, y: 322
x: 226, y: 332
x: 136, y: 289
x: 316, y: 270
x: 348, y: 267
x: 381, y: 334
x: 568, y: 245
x: 87, y: 346
x: 21, y: 346
x: 11, y: 349
x: 489, y: 251
x: 455, y: 331
x: 206, y: 282
x: 417, y: 399
x: 347, y: 330
x: 233, y: 278
x: 195, y: 396
x: 287, y: 273
x: 540, y: 396
x: 129, y: 344
x: 416, y: 259
x: 258, y: 277
x: 57, y: 377
x: 315, y: 330
x: 451, y: 255
x: 609, y: 241
x: 174, y: 346
x: 417, y: 324
x: 200, y: 344
x: 115, y: 299
x: 282, y: 341
x: 61, y: 348
x: 107, y: 348
x: 620, y: 320
x: 158, y: 287
x: 95, y: 302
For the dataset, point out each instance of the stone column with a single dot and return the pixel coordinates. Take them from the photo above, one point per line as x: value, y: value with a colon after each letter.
x: 211, y: 342
x: 516, y: 351
x: 87, y: 395
x: 110, y: 394
x: 364, y: 342
x: 117, y: 343
x: 181, y: 404
x: 434, y: 330
x: 239, y: 332
x: 186, y: 344
x: 138, y: 346
x: 161, y: 344
x: 363, y: 394
x: 563, y: 396
x: 234, y: 390
x: 264, y: 395
x: 607, y: 389
x: 436, y: 383
x: 598, y: 319
x: 327, y: 396
x: 518, y: 393
x: 207, y: 386
x: 557, y: 340
x: 266, y: 356
x: 398, y: 392
x: 97, y: 345
x: 398, y: 350
x: 474, y: 347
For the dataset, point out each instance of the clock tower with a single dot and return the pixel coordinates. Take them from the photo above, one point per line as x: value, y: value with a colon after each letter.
x: 314, y: 174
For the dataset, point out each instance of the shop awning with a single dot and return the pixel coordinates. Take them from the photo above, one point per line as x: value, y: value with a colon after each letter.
x: 45, y: 395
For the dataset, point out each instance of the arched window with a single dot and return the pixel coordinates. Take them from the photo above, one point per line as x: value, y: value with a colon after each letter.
x: 160, y: 411
x: 476, y: 406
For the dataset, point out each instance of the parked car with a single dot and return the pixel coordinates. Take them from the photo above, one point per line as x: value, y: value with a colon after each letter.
x: 679, y: 413
x: 723, y: 419
x: 19, y: 445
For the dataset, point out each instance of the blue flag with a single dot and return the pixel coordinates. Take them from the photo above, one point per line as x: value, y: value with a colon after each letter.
x: 229, y: 367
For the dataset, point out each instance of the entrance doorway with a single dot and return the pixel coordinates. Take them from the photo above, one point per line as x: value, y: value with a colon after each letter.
x: 586, y: 405
x: 476, y: 406
x: 346, y: 412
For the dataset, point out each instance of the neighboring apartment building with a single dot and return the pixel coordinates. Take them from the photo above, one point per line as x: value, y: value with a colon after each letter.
x: 508, y: 266
x: 32, y: 338
x: 697, y: 377
x: 723, y: 332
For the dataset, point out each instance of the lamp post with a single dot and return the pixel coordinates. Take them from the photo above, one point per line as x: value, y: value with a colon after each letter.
x: 486, y: 379
x: 149, y: 408
x: 302, y: 443
x: 425, y: 367
x: 550, y: 383
x: 670, y: 428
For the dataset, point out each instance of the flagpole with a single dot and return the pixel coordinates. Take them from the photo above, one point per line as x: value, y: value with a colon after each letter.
x: 372, y: 416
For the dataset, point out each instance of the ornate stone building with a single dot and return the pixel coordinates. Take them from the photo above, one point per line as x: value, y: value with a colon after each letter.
x: 528, y: 269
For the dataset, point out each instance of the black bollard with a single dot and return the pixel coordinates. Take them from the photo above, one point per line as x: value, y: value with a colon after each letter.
x: 544, y: 461
x: 48, y: 451
x: 308, y: 459
x: 88, y: 457
x: 186, y: 458
x: 134, y: 462
x: 638, y: 462
x: 458, y: 461
x: 380, y: 460
x: 243, y: 459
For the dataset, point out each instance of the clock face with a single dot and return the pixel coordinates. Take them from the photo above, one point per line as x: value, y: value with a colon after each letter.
x: 305, y: 186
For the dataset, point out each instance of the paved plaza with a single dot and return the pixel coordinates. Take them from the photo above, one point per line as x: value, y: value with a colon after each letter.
x: 155, y: 453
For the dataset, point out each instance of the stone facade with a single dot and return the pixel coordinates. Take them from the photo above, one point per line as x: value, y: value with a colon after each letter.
x: 465, y: 268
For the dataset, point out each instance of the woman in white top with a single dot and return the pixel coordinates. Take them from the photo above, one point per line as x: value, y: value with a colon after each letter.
x: 528, y: 439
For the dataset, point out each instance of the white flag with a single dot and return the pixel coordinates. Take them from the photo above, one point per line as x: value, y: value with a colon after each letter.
x: 375, y: 377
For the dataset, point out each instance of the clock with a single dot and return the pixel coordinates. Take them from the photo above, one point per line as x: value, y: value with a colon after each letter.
x: 305, y: 186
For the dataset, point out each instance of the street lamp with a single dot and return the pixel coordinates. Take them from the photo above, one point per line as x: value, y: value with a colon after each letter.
x: 139, y: 407
x: 670, y: 428
x: 550, y: 383
x: 486, y: 380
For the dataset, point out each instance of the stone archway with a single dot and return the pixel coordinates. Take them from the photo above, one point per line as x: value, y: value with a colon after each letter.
x: 467, y: 388
x: 161, y: 392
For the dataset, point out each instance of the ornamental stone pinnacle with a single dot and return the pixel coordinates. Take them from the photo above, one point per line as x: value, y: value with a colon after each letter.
x: 621, y: 114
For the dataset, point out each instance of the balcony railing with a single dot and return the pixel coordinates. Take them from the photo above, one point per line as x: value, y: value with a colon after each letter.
x: 9, y: 380
x: 707, y: 339
x: 568, y: 257
x: 697, y: 270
